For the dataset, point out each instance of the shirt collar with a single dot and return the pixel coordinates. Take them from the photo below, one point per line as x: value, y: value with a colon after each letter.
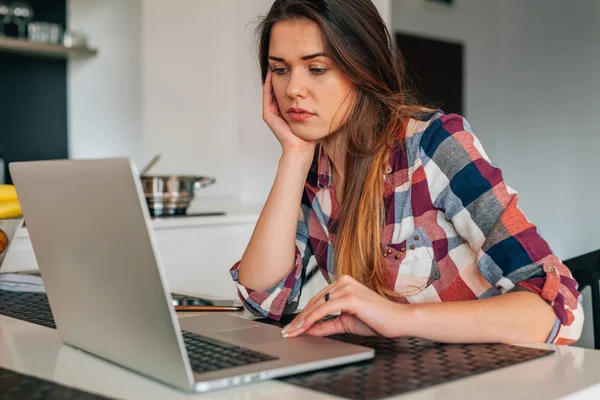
x: 324, y: 167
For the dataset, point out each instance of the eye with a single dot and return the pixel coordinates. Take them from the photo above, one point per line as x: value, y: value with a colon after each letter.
x: 318, y: 71
x: 279, y: 71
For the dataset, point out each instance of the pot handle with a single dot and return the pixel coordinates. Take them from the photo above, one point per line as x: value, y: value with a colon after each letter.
x: 203, y: 182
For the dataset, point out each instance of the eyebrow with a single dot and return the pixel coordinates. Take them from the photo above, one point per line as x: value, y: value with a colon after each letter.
x: 308, y: 57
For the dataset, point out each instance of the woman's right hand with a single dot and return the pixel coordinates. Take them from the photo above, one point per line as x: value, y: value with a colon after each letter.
x: 279, y: 126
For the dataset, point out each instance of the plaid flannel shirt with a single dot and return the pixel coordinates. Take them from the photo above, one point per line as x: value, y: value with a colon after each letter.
x: 453, y: 230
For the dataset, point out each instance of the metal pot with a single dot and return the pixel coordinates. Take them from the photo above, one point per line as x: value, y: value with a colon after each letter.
x: 171, y: 194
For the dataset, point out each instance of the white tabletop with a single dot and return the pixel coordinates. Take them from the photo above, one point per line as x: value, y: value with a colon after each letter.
x: 571, y: 372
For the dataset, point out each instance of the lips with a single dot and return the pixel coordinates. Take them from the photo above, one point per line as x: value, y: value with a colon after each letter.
x: 299, y: 110
x: 299, y: 114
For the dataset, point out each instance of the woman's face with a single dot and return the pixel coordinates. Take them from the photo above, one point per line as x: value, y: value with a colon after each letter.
x: 312, y: 95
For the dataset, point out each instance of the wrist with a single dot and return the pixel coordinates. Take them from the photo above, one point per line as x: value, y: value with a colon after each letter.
x: 302, y: 157
x: 405, y: 324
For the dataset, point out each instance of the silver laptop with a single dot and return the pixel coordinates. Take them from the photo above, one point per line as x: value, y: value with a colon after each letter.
x: 92, y: 236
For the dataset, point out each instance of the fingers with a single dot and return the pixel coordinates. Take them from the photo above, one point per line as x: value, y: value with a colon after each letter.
x: 319, y: 297
x: 267, y: 93
x: 326, y: 328
x: 268, y: 86
x: 316, y: 301
x: 345, y: 303
x: 276, y: 108
x: 345, y: 323
x: 338, y: 288
x: 345, y: 282
x: 270, y: 105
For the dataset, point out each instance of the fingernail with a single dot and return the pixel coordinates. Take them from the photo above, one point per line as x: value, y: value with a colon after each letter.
x: 285, y: 328
x: 285, y: 335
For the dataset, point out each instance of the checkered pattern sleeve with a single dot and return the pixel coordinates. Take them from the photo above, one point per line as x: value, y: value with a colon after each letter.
x: 284, y: 297
x: 511, y: 254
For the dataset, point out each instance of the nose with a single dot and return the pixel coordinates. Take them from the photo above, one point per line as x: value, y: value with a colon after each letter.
x: 296, y: 85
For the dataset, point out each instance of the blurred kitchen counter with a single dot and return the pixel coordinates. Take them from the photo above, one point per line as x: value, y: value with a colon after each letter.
x: 235, y: 213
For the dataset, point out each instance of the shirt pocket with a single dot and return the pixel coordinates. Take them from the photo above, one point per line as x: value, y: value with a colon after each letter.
x: 411, y: 264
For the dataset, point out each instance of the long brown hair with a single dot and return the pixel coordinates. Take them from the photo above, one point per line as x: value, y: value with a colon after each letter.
x: 359, y: 44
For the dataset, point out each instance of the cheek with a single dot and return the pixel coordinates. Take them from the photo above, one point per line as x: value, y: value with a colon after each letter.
x: 278, y: 90
x: 335, y: 93
x: 338, y: 109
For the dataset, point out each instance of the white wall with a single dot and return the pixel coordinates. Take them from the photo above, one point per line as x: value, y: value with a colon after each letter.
x: 531, y: 93
x: 259, y: 150
x: 385, y: 10
x: 104, y: 99
x: 190, y: 89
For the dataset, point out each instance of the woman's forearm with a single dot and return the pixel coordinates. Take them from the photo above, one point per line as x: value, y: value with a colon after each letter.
x: 269, y: 256
x: 518, y: 317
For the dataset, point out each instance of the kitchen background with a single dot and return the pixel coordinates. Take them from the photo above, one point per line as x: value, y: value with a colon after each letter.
x: 180, y: 78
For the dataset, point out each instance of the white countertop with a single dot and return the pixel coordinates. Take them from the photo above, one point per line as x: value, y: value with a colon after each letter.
x: 235, y: 213
x: 572, y: 373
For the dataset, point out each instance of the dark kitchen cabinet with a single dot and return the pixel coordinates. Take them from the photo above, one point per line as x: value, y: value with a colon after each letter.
x: 33, y: 99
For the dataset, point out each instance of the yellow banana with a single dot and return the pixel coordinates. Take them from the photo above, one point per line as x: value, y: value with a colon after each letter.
x: 10, y: 209
x: 8, y: 193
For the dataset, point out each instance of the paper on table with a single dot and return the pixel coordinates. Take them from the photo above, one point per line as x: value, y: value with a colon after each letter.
x: 22, y: 283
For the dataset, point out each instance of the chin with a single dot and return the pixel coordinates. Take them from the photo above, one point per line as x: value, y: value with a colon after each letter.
x: 308, y: 133
x: 311, y: 136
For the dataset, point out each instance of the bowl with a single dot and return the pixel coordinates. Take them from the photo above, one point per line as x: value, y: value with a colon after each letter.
x: 8, y: 231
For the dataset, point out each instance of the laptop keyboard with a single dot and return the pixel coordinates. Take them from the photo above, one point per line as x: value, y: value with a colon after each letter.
x: 34, y: 307
x: 207, y: 354
x: 30, y: 307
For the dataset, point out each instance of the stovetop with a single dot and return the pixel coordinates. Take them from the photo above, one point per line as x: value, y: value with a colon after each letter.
x: 192, y: 214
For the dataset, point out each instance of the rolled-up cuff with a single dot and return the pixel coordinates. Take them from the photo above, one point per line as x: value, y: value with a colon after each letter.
x: 276, y: 301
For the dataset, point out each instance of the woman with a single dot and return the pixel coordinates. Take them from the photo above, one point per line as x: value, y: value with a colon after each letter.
x: 408, y: 220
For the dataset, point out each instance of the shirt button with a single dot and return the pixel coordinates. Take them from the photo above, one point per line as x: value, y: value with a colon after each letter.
x: 397, y: 256
x: 412, y: 246
x: 389, y: 251
x: 403, y: 249
x: 416, y: 237
x: 549, y: 268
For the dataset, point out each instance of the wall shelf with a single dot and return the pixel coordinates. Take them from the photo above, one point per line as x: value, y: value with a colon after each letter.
x: 34, y: 49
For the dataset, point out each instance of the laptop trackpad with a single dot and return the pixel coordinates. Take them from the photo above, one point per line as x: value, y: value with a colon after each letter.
x: 250, y: 335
